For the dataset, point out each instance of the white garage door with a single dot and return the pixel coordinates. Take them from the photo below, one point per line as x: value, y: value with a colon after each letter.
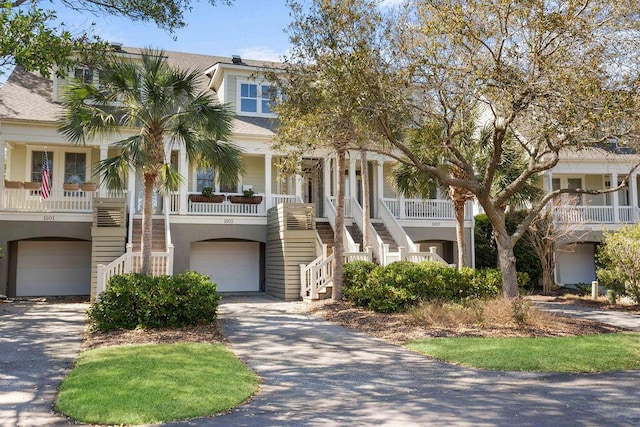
x: 53, y: 268
x: 233, y: 266
x: 577, y: 266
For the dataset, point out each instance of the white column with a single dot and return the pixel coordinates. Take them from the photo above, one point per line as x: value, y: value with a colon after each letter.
x: 2, y: 162
x: 548, y: 182
x: 104, y: 153
x: 326, y: 182
x: 379, y: 185
x: 298, y: 184
x: 633, y: 192
x: 352, y: 176
x: 267, y: 180
x: 614, y: 198
x: 183, y: 188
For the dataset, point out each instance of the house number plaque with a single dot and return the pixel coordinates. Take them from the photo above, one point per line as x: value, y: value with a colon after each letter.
x: 49, y: 218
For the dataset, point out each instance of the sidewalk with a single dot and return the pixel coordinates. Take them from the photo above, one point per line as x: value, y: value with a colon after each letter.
x: 620, y: 319
x: 315, y: 373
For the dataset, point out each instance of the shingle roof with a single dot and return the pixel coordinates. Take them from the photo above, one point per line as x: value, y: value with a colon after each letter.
x: 28, y: 96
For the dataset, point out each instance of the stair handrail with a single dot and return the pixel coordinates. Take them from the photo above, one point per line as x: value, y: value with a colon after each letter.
x: 432, y: 255
x: 316, y: 276
x: 350, y: 244
x: 377, y: 245
x: 395, y: 229
x: 104, y: 272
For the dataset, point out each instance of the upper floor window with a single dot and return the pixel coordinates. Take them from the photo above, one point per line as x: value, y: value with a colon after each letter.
x: 204, y: 178
x: 37, y: 161
x: 256, y: 98
x: 75, y: 166
x: 83, y: 74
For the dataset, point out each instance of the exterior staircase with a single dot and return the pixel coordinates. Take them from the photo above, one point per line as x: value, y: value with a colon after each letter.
x: 159, y: 243
x: 356, y: 235
x: 385, y: 235
x: 326, y: 235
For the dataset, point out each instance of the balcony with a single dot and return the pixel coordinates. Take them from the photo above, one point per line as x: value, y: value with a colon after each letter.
x: 24, y: 200
x: 226, y: 207
x: 595, y: 214
x: 424, y: 209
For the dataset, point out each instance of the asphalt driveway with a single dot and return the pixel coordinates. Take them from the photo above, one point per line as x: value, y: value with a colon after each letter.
x: 39, y: 342
x: 315, y: 373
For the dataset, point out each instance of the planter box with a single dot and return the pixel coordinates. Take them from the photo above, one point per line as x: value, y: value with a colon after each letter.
x: 32, y: 185
x: 198, y: 198
x: 89, y: 186
x: 255, y: 200
x: 12, y: 184
x: 71, y: 187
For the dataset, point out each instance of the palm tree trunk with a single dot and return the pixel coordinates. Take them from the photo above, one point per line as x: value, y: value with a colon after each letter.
x: 147, y: 222
x: 338, y: 241
x: 364, y: 176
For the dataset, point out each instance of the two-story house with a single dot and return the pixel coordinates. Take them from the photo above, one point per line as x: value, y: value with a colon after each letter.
x: 57, y: 245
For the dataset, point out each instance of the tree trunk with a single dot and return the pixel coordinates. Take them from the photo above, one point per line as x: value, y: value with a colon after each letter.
x: 458, y: 205
x: 364, y: 177
x: 338, y: 241
x: 147, y: 222
x: 507, y: 261
x: 547, y: 279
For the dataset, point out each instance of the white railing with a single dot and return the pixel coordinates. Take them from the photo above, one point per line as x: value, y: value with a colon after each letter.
x: 318, y: 275
x: 226, y: 207
x: 347, y: 205
x: 23, y: 200
x: 396, y: 231
x: 424, y: 209
x: 432, y: 255
x: 131, y: 262
x: 349, y: 244
x: 626, y: 214
x: 583, y: 214
x: 377, y: 245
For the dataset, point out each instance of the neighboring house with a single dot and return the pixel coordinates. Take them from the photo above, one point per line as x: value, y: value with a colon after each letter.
x: 54, y: 246
x: 588, y: 215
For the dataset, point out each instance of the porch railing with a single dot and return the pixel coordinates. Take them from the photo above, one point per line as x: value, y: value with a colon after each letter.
x: 226, y: 207
x: 23, y: 200
x: 423, y: 209
x: 584, y: 214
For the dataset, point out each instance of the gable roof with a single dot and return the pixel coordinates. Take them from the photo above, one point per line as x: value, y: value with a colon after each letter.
x: 29, y: 96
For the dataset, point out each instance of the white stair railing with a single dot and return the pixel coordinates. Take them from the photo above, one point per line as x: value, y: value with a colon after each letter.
x: 349, y: 244
x: 395, y: 229
x: 376, y: 242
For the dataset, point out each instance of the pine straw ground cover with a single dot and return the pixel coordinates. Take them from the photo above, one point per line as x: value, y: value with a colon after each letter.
x: 495, y: 319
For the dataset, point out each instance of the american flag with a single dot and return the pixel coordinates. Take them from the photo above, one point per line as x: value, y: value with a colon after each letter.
x: 45, y: 191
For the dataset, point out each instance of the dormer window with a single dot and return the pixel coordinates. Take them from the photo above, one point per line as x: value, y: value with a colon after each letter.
x: 83, y: 74
x: 255, y: 98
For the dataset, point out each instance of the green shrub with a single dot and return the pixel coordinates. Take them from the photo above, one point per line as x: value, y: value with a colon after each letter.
x: 354, y: 279
x: 619, y: 262
x: 136, y: 300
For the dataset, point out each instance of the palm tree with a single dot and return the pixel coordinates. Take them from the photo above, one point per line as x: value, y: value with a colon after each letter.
x: 164, y: 108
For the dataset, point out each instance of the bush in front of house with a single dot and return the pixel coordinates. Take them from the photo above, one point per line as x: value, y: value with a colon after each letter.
x: 136, y: 300
x: 401, y: 285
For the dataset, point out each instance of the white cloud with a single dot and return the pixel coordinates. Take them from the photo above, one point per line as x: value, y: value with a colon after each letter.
x: 261, y: 54
x: 391, y: 3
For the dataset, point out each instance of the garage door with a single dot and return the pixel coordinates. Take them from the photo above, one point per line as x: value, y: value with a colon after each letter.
x: 233, y: 266
x: 577, y: 266
x: 53, y: 268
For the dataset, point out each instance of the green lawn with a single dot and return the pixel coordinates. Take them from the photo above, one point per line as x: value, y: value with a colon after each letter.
x: 589, y: 353
x: 153, y: 383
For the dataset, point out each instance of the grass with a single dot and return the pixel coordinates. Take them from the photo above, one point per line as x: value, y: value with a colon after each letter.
x: 152, y: 383
x: 586, y: 353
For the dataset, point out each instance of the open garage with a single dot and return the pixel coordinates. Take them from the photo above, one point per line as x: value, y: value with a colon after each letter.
x: 233, y: 265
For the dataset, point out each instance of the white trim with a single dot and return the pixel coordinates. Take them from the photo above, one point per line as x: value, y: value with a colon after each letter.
x: 58, y: 166
x: 259, y: 98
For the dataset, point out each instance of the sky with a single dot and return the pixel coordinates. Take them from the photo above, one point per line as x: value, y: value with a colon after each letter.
x: 253, y: 29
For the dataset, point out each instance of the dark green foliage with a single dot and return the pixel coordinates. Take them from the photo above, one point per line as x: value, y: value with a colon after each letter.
x: 136, y: 300
x: 400, y: 285
x: 487, y: 255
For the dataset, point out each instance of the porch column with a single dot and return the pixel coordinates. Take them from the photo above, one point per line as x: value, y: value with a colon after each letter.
x: 104, y: 153
x: 267, y: 180
x: 614, y: 198
x: 633, y: 190
x: 548, y: 182
x: 183, y: 187
x: 2, y: 145
x: 352, y: 176
x: 298, y: 184
x: 326, y: 182
x: 379, y: 185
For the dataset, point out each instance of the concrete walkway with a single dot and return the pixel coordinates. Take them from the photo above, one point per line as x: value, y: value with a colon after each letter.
x: 315, y: 373
x: 39, y: 343
x: 608, y: 317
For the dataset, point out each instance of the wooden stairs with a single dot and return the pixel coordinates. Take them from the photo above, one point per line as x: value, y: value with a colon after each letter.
x: 385, y: 236
x: 158, y: 236
x: 326, y: 235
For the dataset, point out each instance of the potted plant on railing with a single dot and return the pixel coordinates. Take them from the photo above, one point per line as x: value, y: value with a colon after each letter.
x: 89, y: 186
x: 207, y: 196
x: 31, y: 185
x: 12, y: 184
x: 248, y: 198
x: 71, y: 186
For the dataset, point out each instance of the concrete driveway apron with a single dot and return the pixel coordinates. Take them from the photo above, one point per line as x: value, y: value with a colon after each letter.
x: 39, y: 342
x: 315, y: 373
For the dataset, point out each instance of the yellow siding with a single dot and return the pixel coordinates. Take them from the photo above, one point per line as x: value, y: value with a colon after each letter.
x: 254, y: 174
x: 594, y: 182
x: 18, y: 162
x: 388, y: 190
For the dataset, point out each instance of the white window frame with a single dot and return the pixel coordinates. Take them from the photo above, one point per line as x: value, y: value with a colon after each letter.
x: 58, y: 165
x: 216, y: 187
x: 259, y: 98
